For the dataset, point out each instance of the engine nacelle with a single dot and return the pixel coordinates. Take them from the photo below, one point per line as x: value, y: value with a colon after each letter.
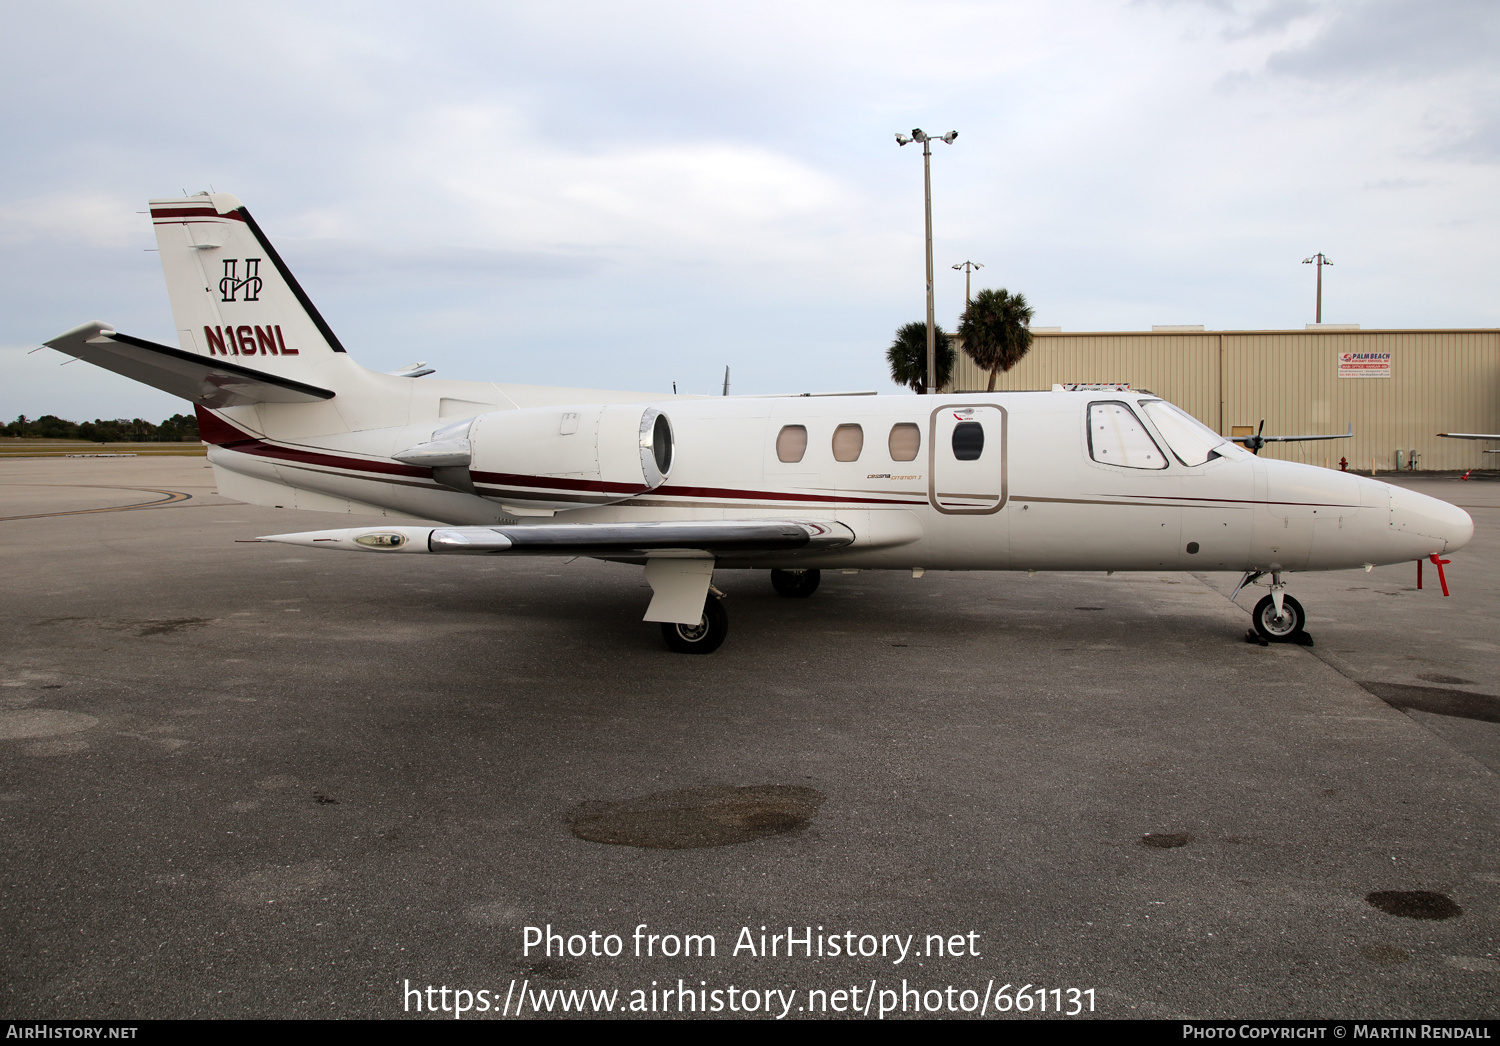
x: 547, y: 459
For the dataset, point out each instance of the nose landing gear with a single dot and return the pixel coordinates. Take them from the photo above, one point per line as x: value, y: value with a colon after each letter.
x: 1279, y: 624
x: 1278, y: 618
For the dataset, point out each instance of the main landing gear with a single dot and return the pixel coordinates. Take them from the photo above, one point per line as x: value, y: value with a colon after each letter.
x: 1278, y: 618
x: 795, y: 584
x: 703, y: 638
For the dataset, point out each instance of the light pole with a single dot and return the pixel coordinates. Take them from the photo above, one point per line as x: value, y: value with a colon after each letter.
x: 1319, y: 260
x: 968, y: 267
x: 917, y: 135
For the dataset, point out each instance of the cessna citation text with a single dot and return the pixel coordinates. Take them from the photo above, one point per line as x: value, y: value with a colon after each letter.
x: 1097, y: 479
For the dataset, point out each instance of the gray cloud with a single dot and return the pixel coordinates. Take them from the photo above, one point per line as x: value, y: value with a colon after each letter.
x: 1398, y: 39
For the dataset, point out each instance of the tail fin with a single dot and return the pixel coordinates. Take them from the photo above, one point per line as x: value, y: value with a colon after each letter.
x: 232, y: 295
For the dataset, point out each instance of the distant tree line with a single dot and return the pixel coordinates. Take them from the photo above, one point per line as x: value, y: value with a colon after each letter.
x: 179, y: 428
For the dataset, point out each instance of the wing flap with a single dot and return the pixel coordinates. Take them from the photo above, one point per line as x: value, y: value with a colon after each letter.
x: 714, y: 537
x: 206, y: 382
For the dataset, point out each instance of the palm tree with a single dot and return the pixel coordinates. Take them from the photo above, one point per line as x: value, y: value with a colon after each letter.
x: 995, y: 330
x: 908, y: 357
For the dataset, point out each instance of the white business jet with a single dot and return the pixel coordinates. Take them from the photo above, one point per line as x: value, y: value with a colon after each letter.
x: 1093, y: 478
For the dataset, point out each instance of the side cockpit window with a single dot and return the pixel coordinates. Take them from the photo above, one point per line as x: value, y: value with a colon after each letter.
x: 1193, y: 442
x: 1117, y: 437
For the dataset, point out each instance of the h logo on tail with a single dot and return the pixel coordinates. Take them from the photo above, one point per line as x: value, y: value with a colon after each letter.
x: 230, y: 286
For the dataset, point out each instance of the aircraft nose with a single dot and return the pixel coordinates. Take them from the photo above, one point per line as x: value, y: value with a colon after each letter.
x: 1460, y: 526
x: 1414, y: 513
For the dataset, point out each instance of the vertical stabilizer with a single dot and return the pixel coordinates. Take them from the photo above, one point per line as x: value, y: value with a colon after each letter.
x: 232, y: 295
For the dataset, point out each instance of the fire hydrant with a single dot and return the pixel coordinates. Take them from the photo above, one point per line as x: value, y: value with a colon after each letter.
x: 1343, y: 464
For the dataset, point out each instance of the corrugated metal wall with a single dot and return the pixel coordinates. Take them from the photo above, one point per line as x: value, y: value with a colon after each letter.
x: 1441, y: 381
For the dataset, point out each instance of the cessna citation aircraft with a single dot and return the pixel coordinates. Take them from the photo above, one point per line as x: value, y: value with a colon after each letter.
x: 1100, y: 478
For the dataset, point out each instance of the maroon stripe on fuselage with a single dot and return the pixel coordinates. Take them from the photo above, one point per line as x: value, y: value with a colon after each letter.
x: 214, y: 429
x: 763, y: 495
x: 506, y: 479
x: 1226, y: 501
x: 260, y: 448
x: 219, y: 432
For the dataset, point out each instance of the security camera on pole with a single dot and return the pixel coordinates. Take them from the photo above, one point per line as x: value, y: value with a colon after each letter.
x: 1320, y: 259
x: 917, y: 135
x: 968, y: 267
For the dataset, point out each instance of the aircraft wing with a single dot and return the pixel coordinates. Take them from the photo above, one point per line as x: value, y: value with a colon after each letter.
x: 706, y: 537
x: 1472, y: 435
x: 1254, y: 441
x: 207, y: 382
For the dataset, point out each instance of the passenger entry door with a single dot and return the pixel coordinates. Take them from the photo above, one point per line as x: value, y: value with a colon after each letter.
x: 966, y: 459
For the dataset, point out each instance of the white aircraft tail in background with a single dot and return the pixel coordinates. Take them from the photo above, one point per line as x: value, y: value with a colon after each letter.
x: 1084, y: 478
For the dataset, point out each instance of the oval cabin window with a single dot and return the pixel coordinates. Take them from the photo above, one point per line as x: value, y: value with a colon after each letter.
x: 848, y: 441
x: 968, y: 440
x: 791, y: 443
x: 906, y: 440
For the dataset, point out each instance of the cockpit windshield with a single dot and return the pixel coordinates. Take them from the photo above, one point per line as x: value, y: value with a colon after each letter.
x: 1193, y: 442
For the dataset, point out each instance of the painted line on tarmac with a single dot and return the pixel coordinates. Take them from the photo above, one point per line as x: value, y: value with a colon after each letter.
x: 169, y: 497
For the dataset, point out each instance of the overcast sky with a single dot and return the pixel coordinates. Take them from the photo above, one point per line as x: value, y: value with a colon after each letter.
x: 624, y: 195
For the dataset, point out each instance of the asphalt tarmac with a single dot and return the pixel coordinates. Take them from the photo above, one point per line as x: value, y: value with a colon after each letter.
x: 247, y: 780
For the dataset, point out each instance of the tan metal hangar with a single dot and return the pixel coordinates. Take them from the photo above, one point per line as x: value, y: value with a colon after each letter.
x: 1399, y: 388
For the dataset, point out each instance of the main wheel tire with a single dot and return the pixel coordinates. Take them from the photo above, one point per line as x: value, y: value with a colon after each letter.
x: 796, y: 584
x: 703, y: 638
x: 1285, y: 628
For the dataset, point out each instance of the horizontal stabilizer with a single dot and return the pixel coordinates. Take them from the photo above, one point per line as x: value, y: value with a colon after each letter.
x: 710, y: 536
x: 206, y: 381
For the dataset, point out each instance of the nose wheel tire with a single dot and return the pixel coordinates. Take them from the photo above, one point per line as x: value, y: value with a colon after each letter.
x: 795, y: 584
x: 703, y: 638
x: 1281, y: 629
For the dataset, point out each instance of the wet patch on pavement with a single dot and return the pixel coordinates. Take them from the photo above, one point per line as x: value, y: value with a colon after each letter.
x: 1414, y: 904
x: 1384, y: 954
x: 1165, y: 840
x: 165, y: 626
x: 696, y: 817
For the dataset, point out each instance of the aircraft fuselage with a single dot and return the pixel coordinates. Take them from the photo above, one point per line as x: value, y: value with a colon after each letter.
x: 1033, y: 494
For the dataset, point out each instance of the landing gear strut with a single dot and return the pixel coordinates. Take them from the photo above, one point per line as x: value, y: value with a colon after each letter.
x: 703, y: 638
x: 795, y: 584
